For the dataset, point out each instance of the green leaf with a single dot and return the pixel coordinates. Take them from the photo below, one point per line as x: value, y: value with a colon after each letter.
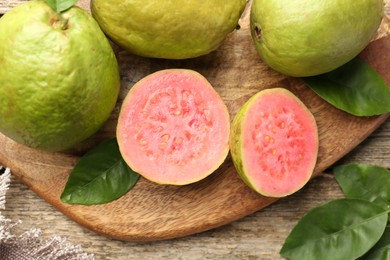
x: 381, y: 250
x: 100, y: 176
x: 354, y: 87
x: 341, y: 229
x: 366, y: 182
x: 61, y: 5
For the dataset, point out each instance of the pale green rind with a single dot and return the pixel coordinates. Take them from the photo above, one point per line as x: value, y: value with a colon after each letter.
x: 57, y: 87
x: 306, y: 38
x: 235, y: 141
x: 168, y: 29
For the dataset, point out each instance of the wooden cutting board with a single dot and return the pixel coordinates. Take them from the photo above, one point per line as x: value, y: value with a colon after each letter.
x: 154, y: 212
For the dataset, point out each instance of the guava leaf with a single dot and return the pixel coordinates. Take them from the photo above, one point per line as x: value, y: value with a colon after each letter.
x: 61, y: 5
x: 100, y: 176
x: 381, y: 250
x: 365, y: 182
x: 355, y: 88
x: 340, y: 229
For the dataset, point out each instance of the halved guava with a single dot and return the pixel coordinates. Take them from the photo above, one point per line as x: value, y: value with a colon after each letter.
x: 274, y: 143
x: 173, y: 127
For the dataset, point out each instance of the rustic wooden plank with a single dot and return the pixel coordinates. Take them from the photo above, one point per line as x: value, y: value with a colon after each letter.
x: 6, y: 5
x: 257, y: 236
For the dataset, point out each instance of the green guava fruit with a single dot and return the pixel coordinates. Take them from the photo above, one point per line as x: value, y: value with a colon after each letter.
x: 310, y: 37
x: 173, y: 127
x: 168, y: 29
x: 59, y: 78
x: 274, y: 143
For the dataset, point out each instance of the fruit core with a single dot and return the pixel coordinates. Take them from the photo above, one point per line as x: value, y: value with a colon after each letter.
x: 174, y: 120
x: 270, y: 130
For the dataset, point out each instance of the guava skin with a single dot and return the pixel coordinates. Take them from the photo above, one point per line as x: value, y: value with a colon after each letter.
x: 309, y: 37
x: 59, y: 81
x: 168, y: 29
x: 298, y: 172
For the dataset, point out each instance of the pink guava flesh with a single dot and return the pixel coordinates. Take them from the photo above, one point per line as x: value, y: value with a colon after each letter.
x: 173, y: 127
x: 278, y: 143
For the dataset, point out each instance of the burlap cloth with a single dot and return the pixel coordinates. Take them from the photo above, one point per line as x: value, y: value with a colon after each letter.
x: 29, y: 245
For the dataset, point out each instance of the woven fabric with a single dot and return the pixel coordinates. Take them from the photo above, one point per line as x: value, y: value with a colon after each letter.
x: 29, y: 245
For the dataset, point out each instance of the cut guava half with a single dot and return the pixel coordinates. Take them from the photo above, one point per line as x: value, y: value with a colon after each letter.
x: 173, y: 127
x: 274, y: 143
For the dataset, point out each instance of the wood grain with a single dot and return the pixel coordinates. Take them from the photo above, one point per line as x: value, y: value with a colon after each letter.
x: 257, y: 236
x: 6, y: 5
x: 153, y: 212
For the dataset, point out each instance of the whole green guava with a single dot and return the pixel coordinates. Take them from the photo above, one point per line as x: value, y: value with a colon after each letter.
x: 59, y: 78
x: 310, y: 37
x: 168, y: 29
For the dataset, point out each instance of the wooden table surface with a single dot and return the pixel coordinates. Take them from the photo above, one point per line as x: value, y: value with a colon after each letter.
x: 257, y: 236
